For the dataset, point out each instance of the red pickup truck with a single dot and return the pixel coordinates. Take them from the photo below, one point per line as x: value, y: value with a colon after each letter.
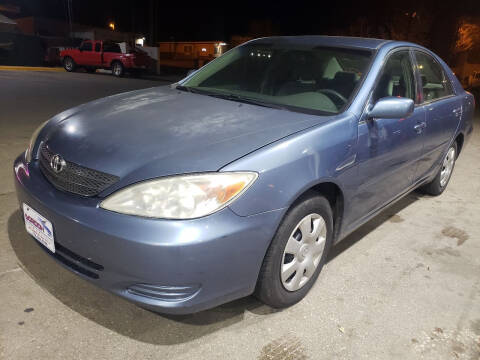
x: 93, y: 55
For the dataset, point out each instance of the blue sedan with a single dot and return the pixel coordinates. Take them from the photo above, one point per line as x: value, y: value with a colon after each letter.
x: 240, y: 178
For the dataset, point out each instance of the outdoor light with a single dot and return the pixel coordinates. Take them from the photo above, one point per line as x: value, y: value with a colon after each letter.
x: 204, y: 49
x: 111, y: 25
x: 140, y: 41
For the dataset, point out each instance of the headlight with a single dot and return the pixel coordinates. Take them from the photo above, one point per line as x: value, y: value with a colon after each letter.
x: 33, y: 140
x: 180, y: 197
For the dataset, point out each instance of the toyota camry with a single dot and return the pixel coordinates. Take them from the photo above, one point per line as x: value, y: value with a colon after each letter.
x: 240, y: 178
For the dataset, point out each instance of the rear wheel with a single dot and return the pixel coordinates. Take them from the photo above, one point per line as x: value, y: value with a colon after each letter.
x: 69, y: 64
x: 117, y: 69
x: 441, y: 180
x: 297, y: 253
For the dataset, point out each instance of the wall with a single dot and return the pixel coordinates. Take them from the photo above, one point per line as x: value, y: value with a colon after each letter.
x: 24, y: 50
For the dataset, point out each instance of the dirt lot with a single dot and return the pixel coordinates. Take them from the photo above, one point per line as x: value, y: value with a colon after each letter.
x: 404, y: 286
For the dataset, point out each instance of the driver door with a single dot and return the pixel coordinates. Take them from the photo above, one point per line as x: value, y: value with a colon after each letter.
x: 87, y: 53
x: 389, y: 149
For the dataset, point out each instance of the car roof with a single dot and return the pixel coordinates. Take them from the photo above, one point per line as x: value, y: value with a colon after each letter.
x: 322, y: 40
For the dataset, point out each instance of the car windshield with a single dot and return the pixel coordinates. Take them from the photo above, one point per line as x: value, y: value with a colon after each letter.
x: 300, y: 78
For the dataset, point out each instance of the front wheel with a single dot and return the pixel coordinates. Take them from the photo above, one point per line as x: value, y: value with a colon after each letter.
x: 69, y: 64
x: 297, y: 253
x: 441, y: 180
x: 117, y: 69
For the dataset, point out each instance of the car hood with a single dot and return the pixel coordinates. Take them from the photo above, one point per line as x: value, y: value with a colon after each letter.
x: 163, y: 131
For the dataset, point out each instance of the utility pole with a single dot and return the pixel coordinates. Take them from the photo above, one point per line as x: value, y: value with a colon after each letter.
x: 153, y: 10
x: 70, y: 16
x: 132, y: 13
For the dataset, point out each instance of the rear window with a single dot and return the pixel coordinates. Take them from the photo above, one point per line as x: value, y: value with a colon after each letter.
x: 435, y: 84
x: 111, y: 47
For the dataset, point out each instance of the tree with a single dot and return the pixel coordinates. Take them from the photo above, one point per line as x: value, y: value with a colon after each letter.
x: 468, y: 36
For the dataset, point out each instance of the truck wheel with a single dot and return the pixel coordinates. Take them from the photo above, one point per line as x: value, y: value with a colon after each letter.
x: 297, y: 253
x: 117, y: 69
x: 69, y: 64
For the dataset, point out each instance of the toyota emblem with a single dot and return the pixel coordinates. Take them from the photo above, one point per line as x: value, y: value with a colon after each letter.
x: 57, y: 163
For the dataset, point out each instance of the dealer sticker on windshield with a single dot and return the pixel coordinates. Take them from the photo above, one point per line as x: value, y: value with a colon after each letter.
x: 39, y: 227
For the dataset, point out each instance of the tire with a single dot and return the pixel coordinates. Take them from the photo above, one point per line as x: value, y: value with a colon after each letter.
x: 279, y: 289
x: 117, y: 69
x: 441, y: 180
x: 69, y: 64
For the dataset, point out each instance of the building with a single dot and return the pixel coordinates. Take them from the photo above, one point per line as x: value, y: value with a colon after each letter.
x: 17, y: 48
x: 32, y: 40
x: 466, y: 64
x: 189, y: 54
x: 7, y: 25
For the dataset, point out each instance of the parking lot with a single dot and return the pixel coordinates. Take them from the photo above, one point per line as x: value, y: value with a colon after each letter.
x: 404, y: 286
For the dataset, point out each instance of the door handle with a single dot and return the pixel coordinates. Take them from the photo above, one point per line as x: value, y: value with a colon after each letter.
x: 419, y: 127
x: 457, y: 111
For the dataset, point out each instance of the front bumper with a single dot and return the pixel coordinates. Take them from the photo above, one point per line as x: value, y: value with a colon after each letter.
x: 168, y: 266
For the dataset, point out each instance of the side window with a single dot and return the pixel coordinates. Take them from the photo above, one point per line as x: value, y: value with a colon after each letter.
x: 86, y: 46
x: 434, y: 82
x: 396, y: 78
x: 98, y: 47
x: 111, y: 47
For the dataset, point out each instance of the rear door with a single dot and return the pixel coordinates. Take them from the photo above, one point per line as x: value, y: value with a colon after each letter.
x: 389, y: 149
x: 443, y: 110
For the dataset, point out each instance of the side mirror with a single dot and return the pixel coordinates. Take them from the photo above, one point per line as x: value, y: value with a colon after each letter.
x: 392, y: 108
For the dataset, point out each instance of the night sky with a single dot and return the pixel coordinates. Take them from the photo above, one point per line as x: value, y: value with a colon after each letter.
x: 208, y: 20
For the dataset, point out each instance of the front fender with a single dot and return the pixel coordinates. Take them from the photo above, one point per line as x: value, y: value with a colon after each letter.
x: 293, y: 165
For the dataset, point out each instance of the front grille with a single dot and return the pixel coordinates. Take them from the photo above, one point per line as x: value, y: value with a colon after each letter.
x: 75, y: 178
x: 74, y: 261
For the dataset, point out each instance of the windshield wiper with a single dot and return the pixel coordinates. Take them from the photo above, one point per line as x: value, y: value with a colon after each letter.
x: 245, y: 100
x: 183, y: 88
x: 231, y: 97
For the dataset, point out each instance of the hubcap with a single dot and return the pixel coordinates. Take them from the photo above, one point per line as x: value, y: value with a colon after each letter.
x: 69, y: 64
x: 303, y: 252
x: 447, y: 167
x: 117, y: 69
